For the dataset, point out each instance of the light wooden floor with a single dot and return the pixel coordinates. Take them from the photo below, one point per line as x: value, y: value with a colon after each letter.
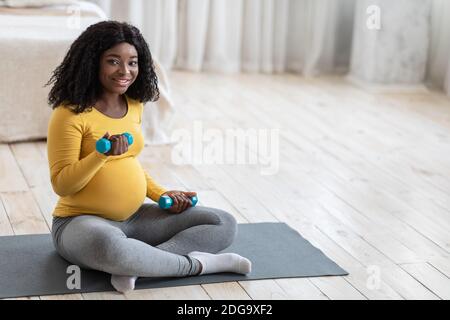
x: 364, y: 177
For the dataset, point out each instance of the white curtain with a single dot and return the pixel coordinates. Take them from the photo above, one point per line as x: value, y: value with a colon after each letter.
x: 447, y: 81
x: 157, y: 20
x: 439, y: 54
x: 303, y: 36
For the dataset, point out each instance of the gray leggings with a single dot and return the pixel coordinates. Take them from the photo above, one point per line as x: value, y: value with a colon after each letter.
x: 151, y: 243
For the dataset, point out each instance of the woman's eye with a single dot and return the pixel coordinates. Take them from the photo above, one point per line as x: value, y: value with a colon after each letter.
x: 133, y: 63
x: 113, y: 61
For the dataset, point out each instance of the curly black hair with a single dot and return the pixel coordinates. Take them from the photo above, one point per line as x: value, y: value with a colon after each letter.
x: 76, y: 79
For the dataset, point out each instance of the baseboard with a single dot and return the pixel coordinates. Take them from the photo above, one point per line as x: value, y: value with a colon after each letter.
x: 387, y: 88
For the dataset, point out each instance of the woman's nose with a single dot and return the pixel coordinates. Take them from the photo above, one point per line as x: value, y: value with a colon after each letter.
x: 123, y: 69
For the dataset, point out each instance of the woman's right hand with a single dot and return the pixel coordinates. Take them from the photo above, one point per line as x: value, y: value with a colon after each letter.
x: 119, y: 144
x: 181, y: 200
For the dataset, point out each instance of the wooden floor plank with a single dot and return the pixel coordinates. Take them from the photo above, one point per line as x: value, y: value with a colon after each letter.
x: 336, y: 288
x: 23, y: 212
x: 31, y: 162
x: 5, y: 224
x: 76, y: 296
x: 442, y: 264
x: 226, y: 291
x: 430, y: 277
x: 12, y: 178
x: 176, y: 293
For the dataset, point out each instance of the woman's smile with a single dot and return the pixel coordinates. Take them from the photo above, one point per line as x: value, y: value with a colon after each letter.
x: 121, y: 82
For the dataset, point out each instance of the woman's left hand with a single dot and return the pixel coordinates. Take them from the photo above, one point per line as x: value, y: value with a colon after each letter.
x: 181, y: 200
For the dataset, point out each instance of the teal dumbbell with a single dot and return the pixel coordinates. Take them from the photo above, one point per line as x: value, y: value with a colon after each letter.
x: 165, y: 202
x: 104, y: 145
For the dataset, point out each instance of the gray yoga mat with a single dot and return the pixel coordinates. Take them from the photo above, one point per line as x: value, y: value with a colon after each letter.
x: 30, y: 266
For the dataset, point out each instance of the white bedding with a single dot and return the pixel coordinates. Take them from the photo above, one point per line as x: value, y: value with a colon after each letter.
x: 48, y: 22
x: 33, y: 3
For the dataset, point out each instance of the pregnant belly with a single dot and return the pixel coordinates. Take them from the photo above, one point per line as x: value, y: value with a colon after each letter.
x: 116, y: 191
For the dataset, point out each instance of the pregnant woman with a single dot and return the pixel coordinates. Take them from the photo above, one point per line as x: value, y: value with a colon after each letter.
x: 101, y: 221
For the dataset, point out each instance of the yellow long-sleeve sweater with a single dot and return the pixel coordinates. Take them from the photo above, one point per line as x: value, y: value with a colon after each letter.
x: 89, y: 182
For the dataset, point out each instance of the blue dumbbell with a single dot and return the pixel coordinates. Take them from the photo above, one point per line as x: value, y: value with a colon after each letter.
x: 104, y: 145
x: 165, y: 202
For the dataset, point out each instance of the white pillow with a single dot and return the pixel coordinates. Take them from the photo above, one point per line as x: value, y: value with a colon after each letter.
x: 33, y: 3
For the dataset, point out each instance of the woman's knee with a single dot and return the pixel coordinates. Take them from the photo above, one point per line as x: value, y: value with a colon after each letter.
x: 91, y: 244
x: 107, y: 249
x: 228, y: 225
